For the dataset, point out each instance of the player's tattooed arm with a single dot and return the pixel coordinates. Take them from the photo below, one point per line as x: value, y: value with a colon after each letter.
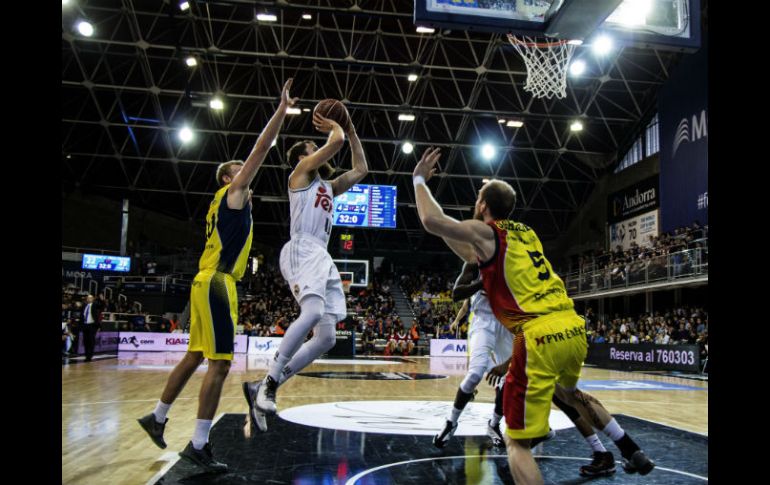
x: 359, y: 169
x: 464, y: 286
x: 238, y: 194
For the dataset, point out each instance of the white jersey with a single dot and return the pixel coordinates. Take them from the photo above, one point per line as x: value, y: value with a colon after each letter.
x: 480, y: 305
x: 311, y: 210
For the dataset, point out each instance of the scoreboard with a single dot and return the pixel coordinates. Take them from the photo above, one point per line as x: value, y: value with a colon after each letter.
x: 107, y: 263
x: 366, y: 206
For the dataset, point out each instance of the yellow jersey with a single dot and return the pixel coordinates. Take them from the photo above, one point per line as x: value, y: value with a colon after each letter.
x: 228, y: 237
x: 519, y: 281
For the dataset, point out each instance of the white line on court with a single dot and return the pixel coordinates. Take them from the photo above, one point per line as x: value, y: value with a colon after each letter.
x: 352, y: 480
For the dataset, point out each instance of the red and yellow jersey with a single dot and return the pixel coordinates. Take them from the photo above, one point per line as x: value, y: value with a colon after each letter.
x: 519, y: 281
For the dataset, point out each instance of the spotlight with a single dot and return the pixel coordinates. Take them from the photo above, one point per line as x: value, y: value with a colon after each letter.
x: 407, y: 148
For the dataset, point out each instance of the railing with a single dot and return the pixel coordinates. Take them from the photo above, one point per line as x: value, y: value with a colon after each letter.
x: 668, y: 268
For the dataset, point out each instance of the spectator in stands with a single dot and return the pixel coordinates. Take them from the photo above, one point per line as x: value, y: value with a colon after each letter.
x: 368, y: 341
x: 599, y: 339
x: 173, y: 323
x: 139, y: 323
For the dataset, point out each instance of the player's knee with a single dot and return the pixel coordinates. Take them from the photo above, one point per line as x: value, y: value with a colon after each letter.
x: 472, y: 379
x: 326, y: 337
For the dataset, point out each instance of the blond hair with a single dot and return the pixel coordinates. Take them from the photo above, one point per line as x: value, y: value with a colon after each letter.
x: 224, y: 169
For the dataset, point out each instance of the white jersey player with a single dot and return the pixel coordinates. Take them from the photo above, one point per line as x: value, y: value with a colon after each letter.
x: 306, y: 264
x: 489, y: 344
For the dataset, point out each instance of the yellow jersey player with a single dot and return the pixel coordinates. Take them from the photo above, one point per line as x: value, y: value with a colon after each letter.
x: 213, y: 297
x: 530, y: 300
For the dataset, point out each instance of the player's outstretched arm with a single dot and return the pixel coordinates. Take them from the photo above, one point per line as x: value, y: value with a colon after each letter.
x: 333, y: 145
x: 465, y: 287
x: 467, y: 235
x: 460, y: 314
x: 359, y: 169
x: 238, y: 193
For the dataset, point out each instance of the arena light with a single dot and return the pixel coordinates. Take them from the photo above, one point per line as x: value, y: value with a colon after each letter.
x: 267, y: 17
x: 306, y: 16
x: 575, y: 42
x: 576, y: 126
x: 293, y: 111
x: 191, y: 61
x: 411, y: 78
x: 405, y: 117
x: 85, y: 28
x: 631, y: 12
x: 602, y: 45
x: 488, y: 151
x: 306, y: 110
x: 514, y: 124
x: 407, y: 148
x: 484, y: 181
x: 577, y: 67
x: 274, y: 143
x: 217, y: 104
x: 186, y: 134
x: 425, y: 30
x: 184, y: 6
x: 501, y: 121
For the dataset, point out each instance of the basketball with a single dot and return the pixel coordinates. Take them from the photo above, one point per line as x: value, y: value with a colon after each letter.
x: 334, y: 110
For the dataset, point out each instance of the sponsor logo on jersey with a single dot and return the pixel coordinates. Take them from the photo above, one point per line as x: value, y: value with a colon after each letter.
x: 560, y: 336
x: 323, y: 199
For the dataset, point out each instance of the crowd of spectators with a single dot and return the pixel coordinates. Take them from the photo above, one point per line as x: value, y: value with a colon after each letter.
x: 683, y: 325
x: 430, y: 295
x: 618, y: 267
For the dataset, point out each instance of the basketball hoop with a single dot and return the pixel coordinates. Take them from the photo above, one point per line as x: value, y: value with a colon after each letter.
x: 346, y: 286
x: 546, y: 63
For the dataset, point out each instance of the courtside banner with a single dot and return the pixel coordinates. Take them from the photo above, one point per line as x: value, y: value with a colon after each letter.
x: 105, y: 342
x: 264, y: 345
x: 684, y: 162
x: 448, y: 348
x: 645, y: 357
x: 166, y: 342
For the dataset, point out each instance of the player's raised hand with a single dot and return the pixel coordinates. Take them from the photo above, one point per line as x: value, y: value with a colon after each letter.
x: 324, y: 125
x: 286, y: 100
x: 426, y: 167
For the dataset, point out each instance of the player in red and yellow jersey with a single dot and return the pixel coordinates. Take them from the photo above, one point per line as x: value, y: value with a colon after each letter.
x: 530, y: 300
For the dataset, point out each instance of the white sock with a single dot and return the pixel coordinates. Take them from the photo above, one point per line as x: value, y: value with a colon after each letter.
x: 201, y: 435
x: 613, y: 430
x: 455, y: 414
x: 495, y: 419
x: 595, y: 443
x: 161, y: 409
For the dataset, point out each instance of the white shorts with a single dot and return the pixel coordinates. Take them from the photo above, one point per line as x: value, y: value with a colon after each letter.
x: 489, y: 343
x: 309, y: 269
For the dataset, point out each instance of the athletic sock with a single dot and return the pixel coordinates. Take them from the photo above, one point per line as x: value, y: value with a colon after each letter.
x: 201, y: 435
x: 161, y: 409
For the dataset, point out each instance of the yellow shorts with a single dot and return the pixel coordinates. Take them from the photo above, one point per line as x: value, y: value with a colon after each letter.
x: 213, y: 315
x: 546, y: 351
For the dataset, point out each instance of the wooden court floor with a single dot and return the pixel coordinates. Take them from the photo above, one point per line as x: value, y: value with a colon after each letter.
x: 102, y: 443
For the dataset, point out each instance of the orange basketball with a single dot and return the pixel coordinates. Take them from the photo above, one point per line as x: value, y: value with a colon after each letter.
x: 334, y: 110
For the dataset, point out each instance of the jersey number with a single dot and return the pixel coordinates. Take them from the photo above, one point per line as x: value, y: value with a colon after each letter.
x: 538, y: 260
x: 210, y: 226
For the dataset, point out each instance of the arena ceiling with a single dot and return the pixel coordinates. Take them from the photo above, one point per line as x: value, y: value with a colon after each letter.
x: 127, y: 91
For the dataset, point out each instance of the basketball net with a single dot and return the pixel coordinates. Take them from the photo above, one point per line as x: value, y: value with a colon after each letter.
x: 346, y: 286
x: 546, y: 63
